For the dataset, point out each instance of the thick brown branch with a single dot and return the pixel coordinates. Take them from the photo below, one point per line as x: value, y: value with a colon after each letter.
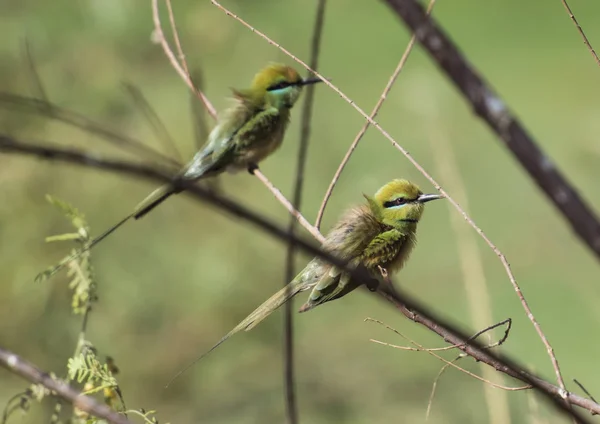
x: 403, y: 303
x: 490, y: 107
x: 28, y: 371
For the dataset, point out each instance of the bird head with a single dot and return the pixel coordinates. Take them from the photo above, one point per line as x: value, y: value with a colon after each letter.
x: 399, y: 202
x: 282, y: 83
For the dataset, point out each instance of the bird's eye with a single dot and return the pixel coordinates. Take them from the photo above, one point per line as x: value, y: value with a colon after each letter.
x: 278, y: 86
x: 396, y: 202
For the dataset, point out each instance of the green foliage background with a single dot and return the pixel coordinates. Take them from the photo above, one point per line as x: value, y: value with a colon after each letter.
x: 171, y: 285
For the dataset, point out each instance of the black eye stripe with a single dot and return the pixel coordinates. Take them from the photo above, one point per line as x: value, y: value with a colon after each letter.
x: 279, y: 85
x: 396, y: 202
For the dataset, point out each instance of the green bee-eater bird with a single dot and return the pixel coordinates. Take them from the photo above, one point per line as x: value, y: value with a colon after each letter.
x: 379, y: 234
x: 245, y: 134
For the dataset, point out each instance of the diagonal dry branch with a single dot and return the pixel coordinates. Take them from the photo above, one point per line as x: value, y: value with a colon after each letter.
x: 580, y: 30
x: 403, y: 303
x: 28, y: 371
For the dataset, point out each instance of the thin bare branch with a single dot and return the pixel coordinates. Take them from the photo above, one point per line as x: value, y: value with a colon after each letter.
x: 52, y: 111
x: 287, y: 204
x: 159, y: 129
x: 471, y: 263
x: 583, y: 36
x: 288, y: 329
x: 450, y: 363
x: 434, y: 387
x: 402, y: 302
x: 582, y: 387
x: 34, y: 77
x: 31, y: 373
x: 175, y: 33
x: 159, y: 36
x: 364, y: 128
x: 507, y: 322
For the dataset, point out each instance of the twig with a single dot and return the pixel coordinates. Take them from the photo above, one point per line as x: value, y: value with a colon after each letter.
x: 52, y: 111
x: 160, y: 38
x: 288, y: 330
x: 159, y: 129
x: 403, y: 303
x: 582, y: 387
x: 175, y: 33
x: 434, y: 387
x: 585, y: 39
x: 198, y: 113
x: 364, y: 128
x: 507, y: 322
x: 475, y: 376
x: 34, y: 76
x: 33, y: 374
x: 487, y: 103
x: 286, y: 203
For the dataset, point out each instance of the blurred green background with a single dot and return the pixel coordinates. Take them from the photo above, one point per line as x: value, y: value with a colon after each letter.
x: 174, y: 283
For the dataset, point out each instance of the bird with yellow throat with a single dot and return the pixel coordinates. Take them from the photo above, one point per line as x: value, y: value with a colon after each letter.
x: 377, y: 235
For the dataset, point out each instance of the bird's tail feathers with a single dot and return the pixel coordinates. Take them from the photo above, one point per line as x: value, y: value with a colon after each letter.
x: 256, y: 317
x: 153, y: 200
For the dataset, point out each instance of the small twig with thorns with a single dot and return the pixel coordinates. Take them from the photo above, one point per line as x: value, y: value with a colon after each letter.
x: 585, y: 39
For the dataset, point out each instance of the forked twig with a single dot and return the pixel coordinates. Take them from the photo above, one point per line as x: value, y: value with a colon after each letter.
x: 435, y: 355
x: 364, y: 128
x: 585, y: 39
x: 492, y: 246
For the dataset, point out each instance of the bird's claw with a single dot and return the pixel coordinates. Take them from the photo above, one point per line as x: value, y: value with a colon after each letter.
x: 372, y: 285
x: 252, y: 167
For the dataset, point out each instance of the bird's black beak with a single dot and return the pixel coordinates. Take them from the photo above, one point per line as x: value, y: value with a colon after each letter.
x: 310, y: 81
x: 424, y: 198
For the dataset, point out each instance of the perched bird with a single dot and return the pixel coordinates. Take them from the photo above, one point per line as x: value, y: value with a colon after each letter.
x: 245, y: 134
x: 378, y: 235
